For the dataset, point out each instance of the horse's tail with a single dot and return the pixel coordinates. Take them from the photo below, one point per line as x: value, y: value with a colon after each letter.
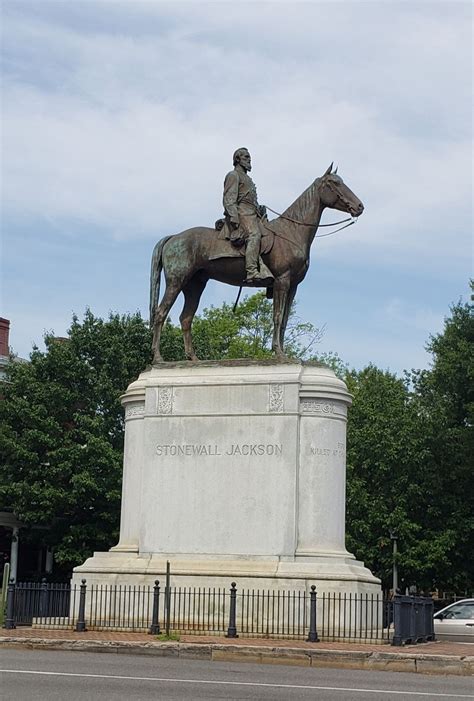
x: 155, y: 275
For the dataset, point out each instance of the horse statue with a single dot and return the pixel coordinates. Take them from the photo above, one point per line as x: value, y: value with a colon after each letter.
x: 194, y: 256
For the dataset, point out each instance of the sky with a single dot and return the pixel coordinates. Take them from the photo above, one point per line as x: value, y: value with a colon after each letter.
x: 119, y: 121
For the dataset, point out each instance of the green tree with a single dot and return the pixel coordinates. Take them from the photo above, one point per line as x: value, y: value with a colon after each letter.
x: 444, y: 397
x: 409, y: 466
x: 385, y: 451
x: 61, y: 435
x: 247, y: 332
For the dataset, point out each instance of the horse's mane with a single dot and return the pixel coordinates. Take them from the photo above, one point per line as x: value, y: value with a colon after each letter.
x: 299, y: 208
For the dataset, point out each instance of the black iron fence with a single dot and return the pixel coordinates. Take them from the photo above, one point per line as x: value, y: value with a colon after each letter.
x: 232, y: 612
x: 272, y: 614
x: 41, y: 601
x: 355, y: 617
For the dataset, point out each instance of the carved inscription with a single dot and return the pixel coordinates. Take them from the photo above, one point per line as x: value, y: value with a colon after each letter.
x: 134, y: 410
x: 337, y: 452
x: 165, y: 400
x: 198, y: 449
x: 276, y: 398
x: 314, y: 406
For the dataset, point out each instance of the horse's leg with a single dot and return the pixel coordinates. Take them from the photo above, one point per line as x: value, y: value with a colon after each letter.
x: 286, y: 313
x: 280, y: 294
x: 173, y: 288
x: 192, y: 294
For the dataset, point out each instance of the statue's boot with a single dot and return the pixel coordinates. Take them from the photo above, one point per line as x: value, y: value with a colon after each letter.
x: 259, y: 278
x: 258, y: 275
x: 256, y: 280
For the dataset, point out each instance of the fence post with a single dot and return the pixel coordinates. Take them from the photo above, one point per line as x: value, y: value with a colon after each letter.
x: 313, y: 633
x: 43, y: 602
x: 429, y: 611
x: 5, y: 580
x: 155, y: 625
x: 399, y: 632
x: 168, y: 599
x: 81, y: 619
x: 10, y: 617
x: 232, y: 629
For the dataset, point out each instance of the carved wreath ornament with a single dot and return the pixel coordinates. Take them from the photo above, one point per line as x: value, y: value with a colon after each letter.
x: 313, y: 406
x: 165, y: 400
x: 276, y: 398
x: 134, y: 410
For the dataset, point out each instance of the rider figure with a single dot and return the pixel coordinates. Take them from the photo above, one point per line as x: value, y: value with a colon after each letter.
x: 244, y: 213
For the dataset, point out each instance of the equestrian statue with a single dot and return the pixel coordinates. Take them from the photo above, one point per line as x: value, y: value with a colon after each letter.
x: 244, y: 249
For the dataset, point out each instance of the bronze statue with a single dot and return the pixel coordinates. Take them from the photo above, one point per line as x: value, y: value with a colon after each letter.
x: 194, y: 256
x: 243, y: 213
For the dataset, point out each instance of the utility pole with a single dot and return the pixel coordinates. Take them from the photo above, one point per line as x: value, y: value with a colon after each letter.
x: 394, y: 538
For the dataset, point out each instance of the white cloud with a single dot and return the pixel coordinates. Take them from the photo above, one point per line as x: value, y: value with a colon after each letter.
x: 122, y: 117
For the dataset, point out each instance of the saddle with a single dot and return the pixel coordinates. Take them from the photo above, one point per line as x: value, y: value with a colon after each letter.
x: 228, y: 244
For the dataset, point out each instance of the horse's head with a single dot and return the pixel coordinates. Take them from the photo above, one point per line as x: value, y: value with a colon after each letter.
x: 335, y: 194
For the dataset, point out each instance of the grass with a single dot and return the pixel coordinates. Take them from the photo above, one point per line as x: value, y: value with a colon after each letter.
x: 163, y: 638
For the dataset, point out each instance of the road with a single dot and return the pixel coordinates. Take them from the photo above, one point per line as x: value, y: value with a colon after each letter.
x: 75, y: 676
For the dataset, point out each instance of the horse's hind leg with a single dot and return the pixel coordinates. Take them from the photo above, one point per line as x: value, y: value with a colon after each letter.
x: 286, y: 313
x: 192, y: 294
x: 173, y: 288
x: 281, y: 287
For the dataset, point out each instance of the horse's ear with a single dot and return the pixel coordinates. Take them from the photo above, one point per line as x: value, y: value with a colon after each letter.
x: 329, y: 169
x: 335, y: 170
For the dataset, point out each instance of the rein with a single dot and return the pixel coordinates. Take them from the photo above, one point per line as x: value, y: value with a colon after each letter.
x: 351, y: 221
x: 304, y: 223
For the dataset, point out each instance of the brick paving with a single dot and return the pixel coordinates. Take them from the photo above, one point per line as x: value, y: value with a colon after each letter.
x: 434, y: 648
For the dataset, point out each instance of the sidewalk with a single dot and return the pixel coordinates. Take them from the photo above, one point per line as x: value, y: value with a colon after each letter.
x: 427, y: 658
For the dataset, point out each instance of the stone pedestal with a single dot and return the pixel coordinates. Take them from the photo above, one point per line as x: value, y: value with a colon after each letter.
x: 234, y: 471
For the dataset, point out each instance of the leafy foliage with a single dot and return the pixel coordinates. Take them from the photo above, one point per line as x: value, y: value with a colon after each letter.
x: 385, y: 453
x: 61, y: 434
x: 220, y: 333
x: 410, y: 467
x: 444, y: 397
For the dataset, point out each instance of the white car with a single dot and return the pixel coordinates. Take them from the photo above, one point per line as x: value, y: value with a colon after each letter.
x: 456, y: 622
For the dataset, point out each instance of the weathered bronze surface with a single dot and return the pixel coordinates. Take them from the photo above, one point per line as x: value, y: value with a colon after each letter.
x: 194, y: 256
x: 243, y: 215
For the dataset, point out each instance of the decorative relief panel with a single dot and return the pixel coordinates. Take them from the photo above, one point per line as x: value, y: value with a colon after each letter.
x: 134, y: 410
x: 315, y: 406
x: 275, y: 403
x: 165, y: 400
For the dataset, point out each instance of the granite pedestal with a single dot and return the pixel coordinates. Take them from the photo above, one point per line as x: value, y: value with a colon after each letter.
x: 234, y: 470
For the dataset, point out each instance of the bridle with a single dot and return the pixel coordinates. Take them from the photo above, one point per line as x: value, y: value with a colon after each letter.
x: 341, y: 198
x: 352, y: 219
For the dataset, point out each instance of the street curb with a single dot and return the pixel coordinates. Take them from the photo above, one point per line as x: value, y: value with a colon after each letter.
x: 348, y: 659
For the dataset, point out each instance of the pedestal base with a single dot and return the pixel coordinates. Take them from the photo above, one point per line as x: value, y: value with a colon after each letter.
x: 330, y: 573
